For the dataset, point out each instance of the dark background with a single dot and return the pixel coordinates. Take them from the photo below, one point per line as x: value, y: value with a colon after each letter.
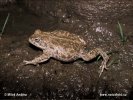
x: 96, y: 21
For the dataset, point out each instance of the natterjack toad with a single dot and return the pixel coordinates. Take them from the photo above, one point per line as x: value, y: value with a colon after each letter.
x: 63, y: 46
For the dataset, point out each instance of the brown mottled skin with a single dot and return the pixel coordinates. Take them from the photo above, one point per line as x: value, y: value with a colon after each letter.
x: 63, y: 46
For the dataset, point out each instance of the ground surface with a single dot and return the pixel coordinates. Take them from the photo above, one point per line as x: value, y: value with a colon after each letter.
x: 54, y: 79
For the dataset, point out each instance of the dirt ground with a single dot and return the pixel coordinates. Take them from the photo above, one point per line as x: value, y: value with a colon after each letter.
x: 57, y: 80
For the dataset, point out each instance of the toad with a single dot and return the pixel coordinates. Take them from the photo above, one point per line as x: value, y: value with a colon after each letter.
x: 63, y: 46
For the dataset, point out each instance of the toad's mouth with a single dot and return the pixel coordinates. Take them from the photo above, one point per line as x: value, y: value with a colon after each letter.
x: 32, y: 41
x: 37, y: 44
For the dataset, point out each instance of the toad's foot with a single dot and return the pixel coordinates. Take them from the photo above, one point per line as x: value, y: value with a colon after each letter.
x: 104, y: 62
x: 94, y: 53
x: 29, y: 62
x: 102, y: 67
x: 37, y: 60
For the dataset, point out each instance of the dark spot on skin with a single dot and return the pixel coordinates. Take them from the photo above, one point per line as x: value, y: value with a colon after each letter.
x: 57, y: 52
x: 63, y: 56
x: 92, y: 52
x: 52, y: 48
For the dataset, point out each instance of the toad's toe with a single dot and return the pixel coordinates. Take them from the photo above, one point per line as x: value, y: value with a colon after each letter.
x: 29, y: 62
x: 102, y: 67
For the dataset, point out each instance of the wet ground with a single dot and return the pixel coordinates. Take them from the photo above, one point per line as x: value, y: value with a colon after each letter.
x: 55, y: 79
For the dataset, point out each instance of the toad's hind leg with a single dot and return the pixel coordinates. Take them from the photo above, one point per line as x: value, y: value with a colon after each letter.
x: 37, y: 60
x: 94, y: 53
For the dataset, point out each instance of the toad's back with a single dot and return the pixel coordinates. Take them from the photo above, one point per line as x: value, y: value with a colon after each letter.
x: 64, y: 39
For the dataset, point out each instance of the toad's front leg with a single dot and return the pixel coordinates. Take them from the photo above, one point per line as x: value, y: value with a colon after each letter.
x: 42, y: 58
x: 94, y: 53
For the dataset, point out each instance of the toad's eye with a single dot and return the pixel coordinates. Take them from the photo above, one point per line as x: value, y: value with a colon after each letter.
x: 37, y: 39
